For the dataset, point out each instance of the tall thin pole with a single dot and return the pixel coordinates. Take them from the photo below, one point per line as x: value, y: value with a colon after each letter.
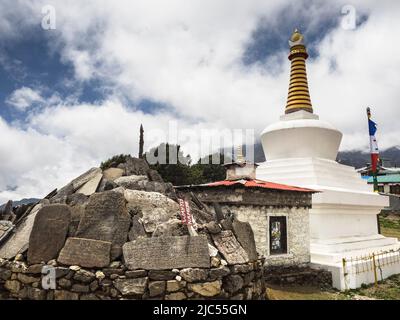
x: 374, y: 170
x: 141, y: 142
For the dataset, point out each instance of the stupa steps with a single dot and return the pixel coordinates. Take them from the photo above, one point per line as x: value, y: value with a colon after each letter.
x: 352, y: 243
x: 307, y: 172
x: 336, y: 257
x: 311, y: 181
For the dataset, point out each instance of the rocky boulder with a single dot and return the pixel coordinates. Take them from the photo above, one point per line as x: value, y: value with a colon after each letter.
x: 137, y: 230
x: 134, y: 166
x: 153, y: 208
x: 85, y: 252
x: 112, y: 174
x: 106, y: 218
x: 153, y: 175
x: 75, y: 184
x: 5, y: 229
x: 48, y: 233
x: 18, y: 242
x: 131, y: 182
x: 7, y: 212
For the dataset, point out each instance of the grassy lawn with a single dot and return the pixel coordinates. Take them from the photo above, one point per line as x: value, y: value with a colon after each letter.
x: 385, y: 290
x: 390, y: 226
x: 302, y: 293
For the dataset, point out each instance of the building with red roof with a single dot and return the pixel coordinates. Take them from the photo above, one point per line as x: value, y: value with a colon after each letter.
x: 278, y: 213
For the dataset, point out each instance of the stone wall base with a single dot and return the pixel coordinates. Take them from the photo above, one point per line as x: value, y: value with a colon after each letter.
x: 236, y: 282
x: 297, y: 276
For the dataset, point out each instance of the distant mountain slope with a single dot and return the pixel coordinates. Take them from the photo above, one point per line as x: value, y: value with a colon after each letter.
x: 22, y: 201
x: 356, y: 159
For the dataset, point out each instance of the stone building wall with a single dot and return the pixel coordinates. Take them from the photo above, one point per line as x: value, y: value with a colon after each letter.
x: 297, y: 231
x: 255, y: 206
x: 238, y: 282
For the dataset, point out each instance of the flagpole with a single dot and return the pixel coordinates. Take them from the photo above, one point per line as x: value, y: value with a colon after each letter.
x: 374, y: 171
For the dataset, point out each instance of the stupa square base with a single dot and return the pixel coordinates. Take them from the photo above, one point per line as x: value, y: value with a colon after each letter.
x: 359, y: 267
x: 343, y: 219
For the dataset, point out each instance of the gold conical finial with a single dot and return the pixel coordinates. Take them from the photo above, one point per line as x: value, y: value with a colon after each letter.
x: 296, y: 37
x: 299, y: 96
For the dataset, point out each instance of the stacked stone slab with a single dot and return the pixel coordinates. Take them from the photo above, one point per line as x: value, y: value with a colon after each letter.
x: 109, y: 235
x: 48, y: 233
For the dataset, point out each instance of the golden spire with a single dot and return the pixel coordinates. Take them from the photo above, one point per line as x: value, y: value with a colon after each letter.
x: 299, y: 96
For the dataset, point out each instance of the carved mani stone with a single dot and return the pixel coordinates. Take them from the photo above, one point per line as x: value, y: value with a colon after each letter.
x: 167, y: 253
x: 48, y: 233
x: 106, y: 218
x: 86, y: 253
x: 245, y: 236
x: 230, y: 248
x: 18, y: 242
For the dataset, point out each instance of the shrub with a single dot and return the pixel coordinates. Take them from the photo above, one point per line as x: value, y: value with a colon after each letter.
x: 114, y: 161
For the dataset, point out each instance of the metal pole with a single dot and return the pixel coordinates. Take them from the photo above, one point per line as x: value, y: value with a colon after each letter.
x: 374, y: 172
x: 344, y: 273
x: 376, y: 189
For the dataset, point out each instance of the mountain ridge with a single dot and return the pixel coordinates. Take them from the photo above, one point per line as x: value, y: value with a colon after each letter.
x: 354, y: 158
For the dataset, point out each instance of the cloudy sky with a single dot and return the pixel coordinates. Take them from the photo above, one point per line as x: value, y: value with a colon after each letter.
x: 71, y: 97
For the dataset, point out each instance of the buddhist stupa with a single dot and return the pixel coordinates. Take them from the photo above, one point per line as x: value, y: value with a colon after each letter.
x: 301, y: 150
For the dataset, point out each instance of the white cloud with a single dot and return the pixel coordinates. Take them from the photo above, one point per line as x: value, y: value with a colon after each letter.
x: 62, y: 141
x: 187, y: 55
x: 24, y: 98
x: 366, y: 75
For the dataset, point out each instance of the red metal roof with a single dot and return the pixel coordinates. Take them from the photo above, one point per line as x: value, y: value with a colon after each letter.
x: 254, y: 184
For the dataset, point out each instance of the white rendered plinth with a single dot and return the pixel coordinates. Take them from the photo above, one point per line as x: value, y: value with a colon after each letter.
x: 301, y: 151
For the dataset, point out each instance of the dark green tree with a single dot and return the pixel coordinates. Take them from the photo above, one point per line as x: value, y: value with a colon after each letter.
x: 182, y: 172
x: 209, y: 171
x: 170, y: 163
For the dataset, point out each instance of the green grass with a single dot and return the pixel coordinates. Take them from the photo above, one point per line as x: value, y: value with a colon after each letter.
x: 389, y: 232
x: 390, y: 226
x: 302, y: 293
x: 389, y: 289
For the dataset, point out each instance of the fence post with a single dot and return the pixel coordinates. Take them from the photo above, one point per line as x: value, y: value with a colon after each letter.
x: 344, y: 272
x: 374, y: 265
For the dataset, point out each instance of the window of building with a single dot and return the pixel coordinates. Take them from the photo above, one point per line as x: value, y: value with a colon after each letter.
x: 277, y: 235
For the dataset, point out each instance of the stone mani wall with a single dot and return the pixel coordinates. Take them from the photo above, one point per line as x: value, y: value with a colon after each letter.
x: 297, y: 231
x: 238, y: 282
